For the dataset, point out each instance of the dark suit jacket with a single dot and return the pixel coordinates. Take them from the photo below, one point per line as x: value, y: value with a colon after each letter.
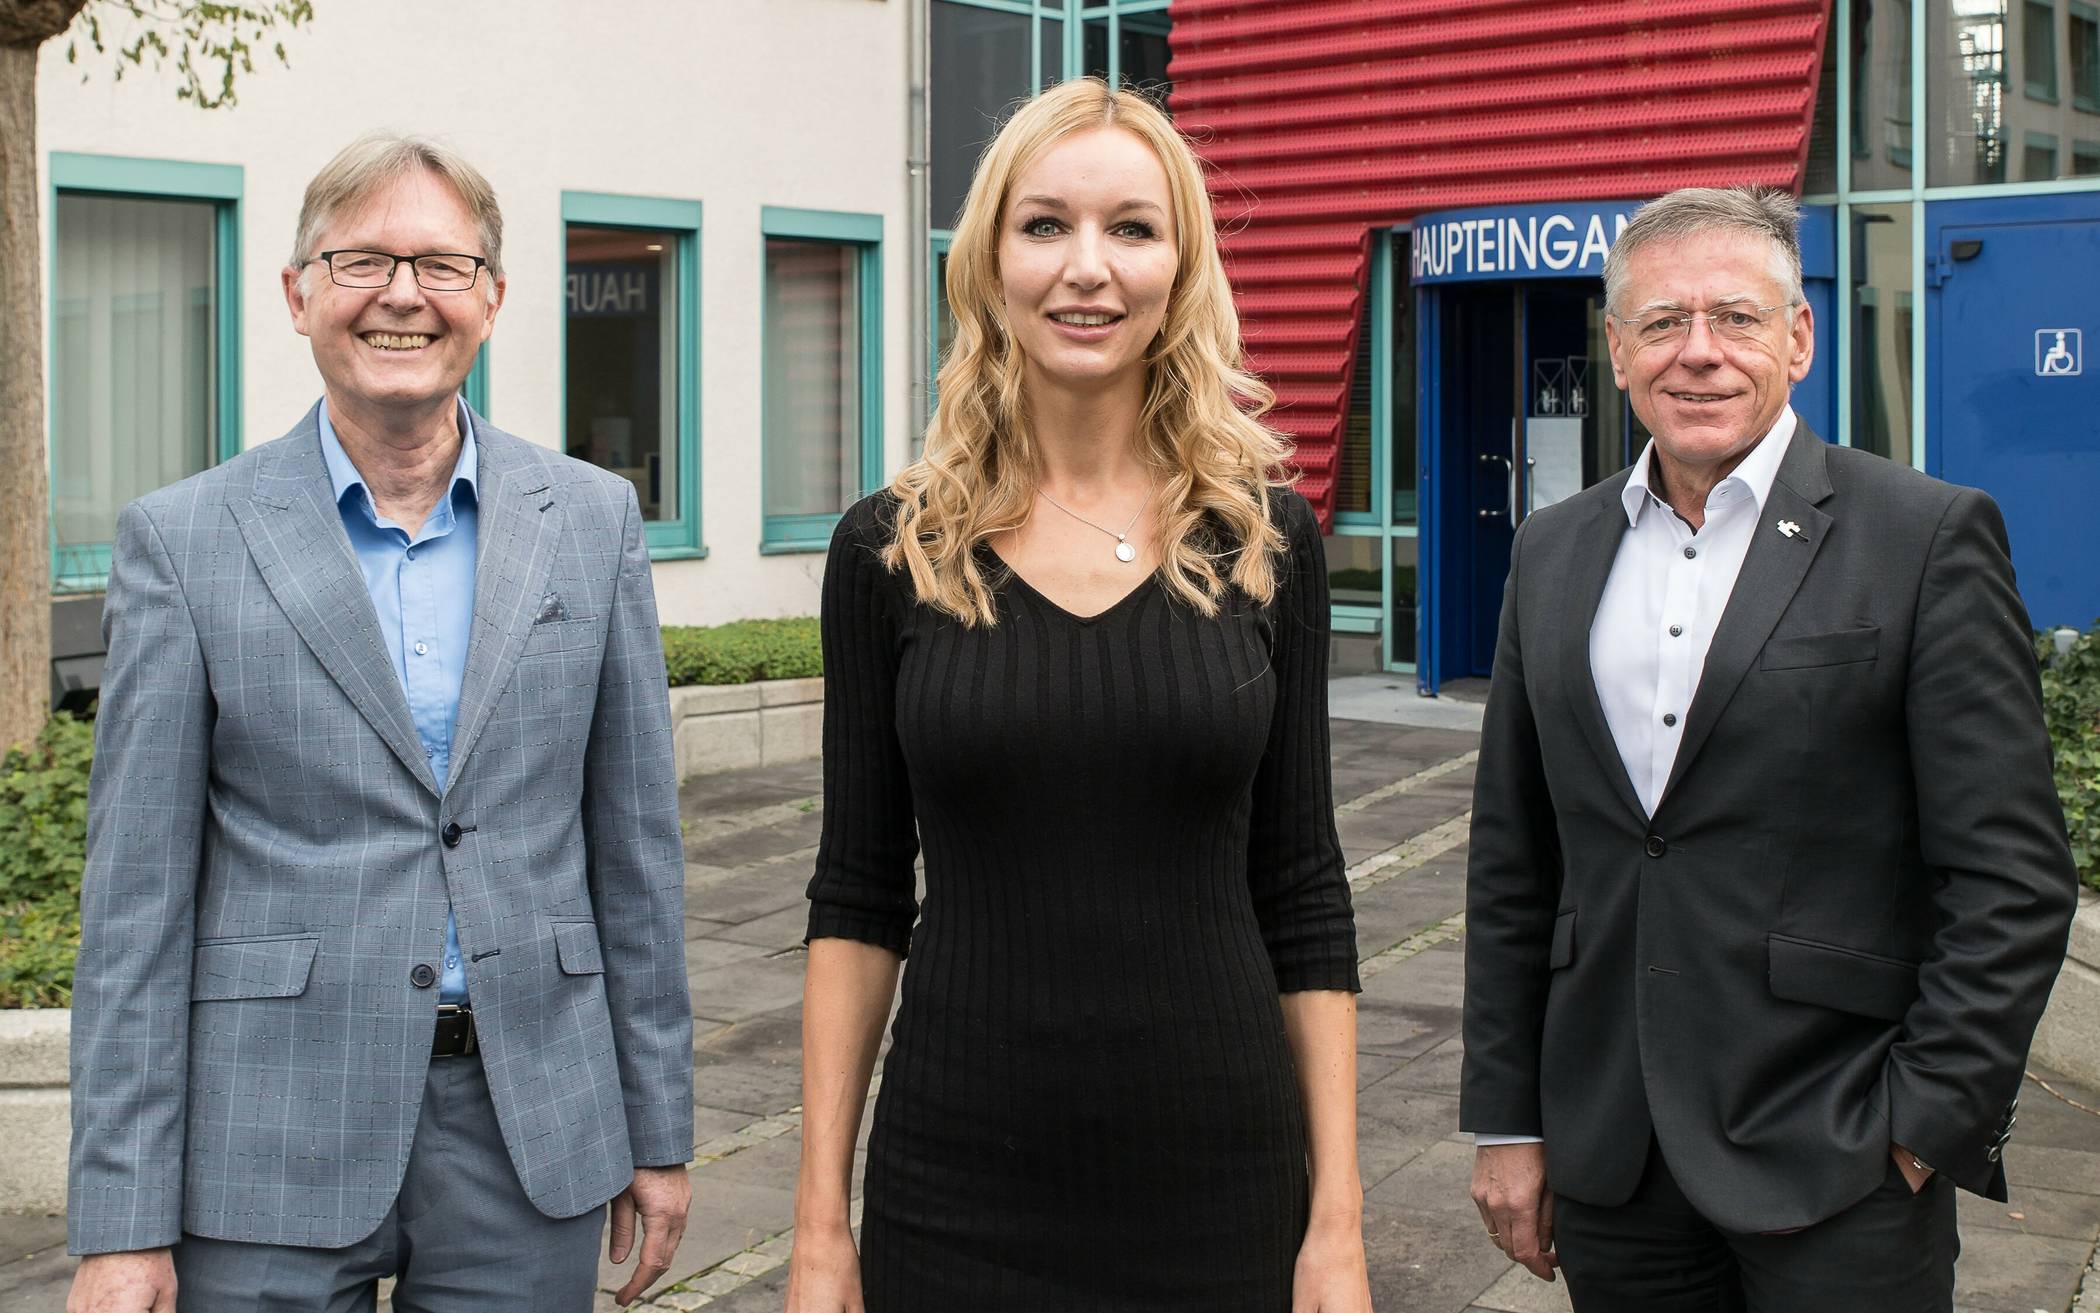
x: 1841, y: 925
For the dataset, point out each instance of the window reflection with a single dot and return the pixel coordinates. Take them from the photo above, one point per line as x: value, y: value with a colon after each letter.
x: 1881, y: 94
x: 1996, y: 97
x: 1882, y: 324
x: 622, y: 359
x: 979, y: 64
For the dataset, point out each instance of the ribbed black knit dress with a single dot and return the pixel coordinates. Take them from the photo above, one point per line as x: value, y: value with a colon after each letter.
x: 1088, y: 1103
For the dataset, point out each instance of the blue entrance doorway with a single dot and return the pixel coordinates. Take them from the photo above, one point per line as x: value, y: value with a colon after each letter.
x: 2013, y: 391
x: 1517, y: 408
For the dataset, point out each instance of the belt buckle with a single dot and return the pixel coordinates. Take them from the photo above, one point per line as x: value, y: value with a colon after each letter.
x: 454, y: 1036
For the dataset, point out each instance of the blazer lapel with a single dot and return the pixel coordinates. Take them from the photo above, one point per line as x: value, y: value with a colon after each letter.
x: 518, y: 529
x: 295, y: 535
x: 1772, y: 573
x: 1589, y: 566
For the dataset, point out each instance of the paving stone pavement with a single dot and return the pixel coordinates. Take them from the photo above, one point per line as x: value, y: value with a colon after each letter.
x: 1402, y: 796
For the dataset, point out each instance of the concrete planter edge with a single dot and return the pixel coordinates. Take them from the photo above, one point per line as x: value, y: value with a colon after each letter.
x: 2069, y: 1036
x: 35, y: 1112
x: 738, y: 726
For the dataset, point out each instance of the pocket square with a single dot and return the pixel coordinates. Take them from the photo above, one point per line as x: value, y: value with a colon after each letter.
x: 551, y: 609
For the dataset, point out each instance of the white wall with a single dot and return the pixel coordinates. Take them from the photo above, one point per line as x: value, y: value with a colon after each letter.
x: 737, y: 104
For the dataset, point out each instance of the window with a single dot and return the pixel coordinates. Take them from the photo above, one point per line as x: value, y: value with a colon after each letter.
x: 1138, y: 40
x: 145, y: 334
x: 1881, y: 330
x: 2038, y: 49
x: 822, y: 368
x: 1965, y: 48
x: 631, y: 354
x: 2038, y: 158
x: 2085, y: 159
x: 2085, y: 57
x: 979, y: 68
x: 1881, y: 91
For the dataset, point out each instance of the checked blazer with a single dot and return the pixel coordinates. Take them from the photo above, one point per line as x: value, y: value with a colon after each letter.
x: 270, y: 861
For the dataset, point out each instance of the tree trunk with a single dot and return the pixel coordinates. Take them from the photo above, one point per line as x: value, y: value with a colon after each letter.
x: 25, y: 542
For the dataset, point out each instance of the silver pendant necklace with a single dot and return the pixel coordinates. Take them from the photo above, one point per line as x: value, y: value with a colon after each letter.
x: 1124, y: 551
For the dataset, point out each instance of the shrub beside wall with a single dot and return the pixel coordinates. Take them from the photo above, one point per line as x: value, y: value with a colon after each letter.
x: 743, y: 652
x: 43, y: 842
x: 2071, y: 702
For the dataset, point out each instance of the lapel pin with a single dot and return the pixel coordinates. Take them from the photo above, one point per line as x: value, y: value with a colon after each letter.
x: 1787, y: 528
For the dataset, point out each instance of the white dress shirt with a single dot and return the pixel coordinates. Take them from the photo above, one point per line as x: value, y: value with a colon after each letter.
x: 1661, y: 604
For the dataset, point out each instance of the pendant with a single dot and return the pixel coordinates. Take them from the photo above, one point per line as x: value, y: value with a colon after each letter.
x: 1125, y: 552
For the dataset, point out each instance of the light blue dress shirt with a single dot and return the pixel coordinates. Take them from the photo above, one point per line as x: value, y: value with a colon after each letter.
x: 423, y: 591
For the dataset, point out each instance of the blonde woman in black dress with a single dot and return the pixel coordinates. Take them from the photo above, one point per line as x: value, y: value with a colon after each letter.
x: 1079, y: 652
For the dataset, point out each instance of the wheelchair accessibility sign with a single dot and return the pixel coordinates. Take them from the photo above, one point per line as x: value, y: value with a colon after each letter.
x: 2059, y: 352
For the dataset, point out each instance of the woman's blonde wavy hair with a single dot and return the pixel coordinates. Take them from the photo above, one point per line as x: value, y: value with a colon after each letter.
x: 1199, y: 432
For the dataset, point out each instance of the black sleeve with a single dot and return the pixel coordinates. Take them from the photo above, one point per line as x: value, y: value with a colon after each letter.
x: 1990, y: 823
x: 1294, y: 857
x: 863, y: 888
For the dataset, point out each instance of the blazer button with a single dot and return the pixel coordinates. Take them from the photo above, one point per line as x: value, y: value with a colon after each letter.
x: 421, y: 976
x: 1656, y: 846
x: 451, y: 835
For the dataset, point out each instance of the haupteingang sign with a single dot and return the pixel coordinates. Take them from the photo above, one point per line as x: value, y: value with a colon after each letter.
x: 1500, y: 243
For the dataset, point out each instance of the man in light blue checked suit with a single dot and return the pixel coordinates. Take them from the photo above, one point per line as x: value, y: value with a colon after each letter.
x: 382, y: 966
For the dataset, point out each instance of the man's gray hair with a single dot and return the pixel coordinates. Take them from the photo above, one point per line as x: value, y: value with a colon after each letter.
x: 1765, y: 211
x: 373, y: 161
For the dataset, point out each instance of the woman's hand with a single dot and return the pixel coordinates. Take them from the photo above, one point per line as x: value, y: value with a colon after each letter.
x: 1331, y: 1275
x: 824, y: 1270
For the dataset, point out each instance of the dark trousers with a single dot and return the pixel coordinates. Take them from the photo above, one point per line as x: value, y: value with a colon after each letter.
x: 1892, y: 1252
x: 462, y: 1236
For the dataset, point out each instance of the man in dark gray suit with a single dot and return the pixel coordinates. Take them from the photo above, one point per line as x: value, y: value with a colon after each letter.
x: 1769, y: 880
x: 382, y: 959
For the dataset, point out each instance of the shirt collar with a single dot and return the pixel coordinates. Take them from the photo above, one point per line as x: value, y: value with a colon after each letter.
x: 343, y: 475
x: 1757, y: 473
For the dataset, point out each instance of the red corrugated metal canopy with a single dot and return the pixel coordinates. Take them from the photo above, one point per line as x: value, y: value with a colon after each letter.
x: 1323, y: 118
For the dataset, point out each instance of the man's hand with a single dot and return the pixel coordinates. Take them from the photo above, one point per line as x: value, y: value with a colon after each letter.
x: 140, y: 1281
x: 661, y: 1195
x: 1509, y: 1189
x: 1914, y: 1172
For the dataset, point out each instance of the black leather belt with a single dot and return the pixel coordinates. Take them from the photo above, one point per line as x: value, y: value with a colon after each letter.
x: 455, y: 1032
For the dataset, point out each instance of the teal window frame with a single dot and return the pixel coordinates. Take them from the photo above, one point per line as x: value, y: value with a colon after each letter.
x: 681, y: 538
x: 2085, y: 97
x: 2045, y: 89
x: 2083, y: 152
x: 160, y: 180
x: 785, y: 534
x: 939, y: 242
x: 1382, y: 522
x: 476, y: 388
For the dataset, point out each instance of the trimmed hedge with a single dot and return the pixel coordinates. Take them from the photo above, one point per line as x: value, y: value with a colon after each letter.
x: 743, y: 652
x: 2071, y: 703
x: 43, y: 846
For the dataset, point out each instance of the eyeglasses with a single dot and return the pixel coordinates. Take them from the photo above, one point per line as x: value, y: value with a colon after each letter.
x: 445, y: 272
x: 1738, y: 321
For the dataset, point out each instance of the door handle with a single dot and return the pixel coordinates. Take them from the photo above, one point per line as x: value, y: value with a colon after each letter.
x: 1509, y: 475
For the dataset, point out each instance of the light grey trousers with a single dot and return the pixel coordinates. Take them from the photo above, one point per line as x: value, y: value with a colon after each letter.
x: 461, y: 1236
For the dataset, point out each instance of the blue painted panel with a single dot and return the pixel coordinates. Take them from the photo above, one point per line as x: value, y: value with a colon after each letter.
x: 2006, y: 410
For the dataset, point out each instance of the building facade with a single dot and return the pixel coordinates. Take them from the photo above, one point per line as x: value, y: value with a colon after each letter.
x: 727, y: 227
x: 706, y: 242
